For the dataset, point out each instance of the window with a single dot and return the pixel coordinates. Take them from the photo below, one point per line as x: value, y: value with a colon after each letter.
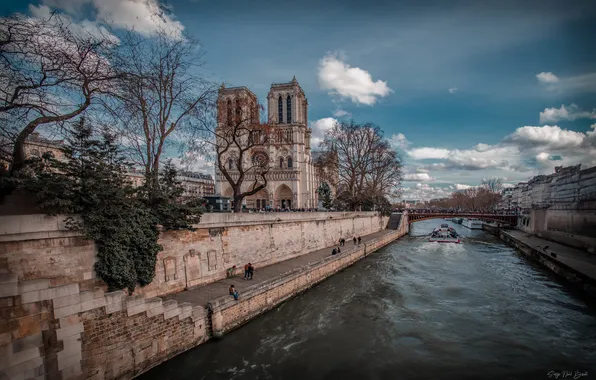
x: 255, y: 114
x: 238, y: 112
x: 280, y: 110
x: 289, y: 162
x: 281, y: 162
x: 289, y: 109
x: 229, y: 112
x: 260, y: 159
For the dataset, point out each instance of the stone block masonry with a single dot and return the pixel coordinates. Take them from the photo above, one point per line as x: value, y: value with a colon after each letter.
x: 57, y: 320
x: 576, y: 266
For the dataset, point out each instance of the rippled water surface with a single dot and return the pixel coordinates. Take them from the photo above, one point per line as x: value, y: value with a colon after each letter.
x: 413, y: 310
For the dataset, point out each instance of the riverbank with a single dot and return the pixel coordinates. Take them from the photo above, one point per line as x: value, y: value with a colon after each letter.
x: 272, y: 285
x: 576, y: 266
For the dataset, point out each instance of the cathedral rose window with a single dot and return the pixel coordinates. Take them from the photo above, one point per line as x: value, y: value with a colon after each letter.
x: 260, y: 159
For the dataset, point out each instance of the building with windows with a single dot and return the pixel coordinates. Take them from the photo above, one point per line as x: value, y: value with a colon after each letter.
x: 196, y: 185
x: 292, y: 179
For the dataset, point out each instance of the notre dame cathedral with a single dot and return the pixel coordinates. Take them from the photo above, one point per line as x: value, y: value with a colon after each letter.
x: 292, y: 180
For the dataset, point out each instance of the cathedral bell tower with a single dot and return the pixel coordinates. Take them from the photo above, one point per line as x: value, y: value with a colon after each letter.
x: 287, y: 104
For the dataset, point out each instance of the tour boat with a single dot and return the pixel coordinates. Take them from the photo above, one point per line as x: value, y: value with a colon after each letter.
x: 472, y: 223
x: 444, y: 234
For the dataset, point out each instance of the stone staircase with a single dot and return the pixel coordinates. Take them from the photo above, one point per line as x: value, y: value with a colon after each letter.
x: 394, y: 220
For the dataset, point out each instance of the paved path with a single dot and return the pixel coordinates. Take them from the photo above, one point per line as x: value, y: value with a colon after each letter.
x: 579, y: 260
x: 203, y: 294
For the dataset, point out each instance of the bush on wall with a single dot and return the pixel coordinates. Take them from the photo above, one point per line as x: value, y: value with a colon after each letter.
x: 123, y: 221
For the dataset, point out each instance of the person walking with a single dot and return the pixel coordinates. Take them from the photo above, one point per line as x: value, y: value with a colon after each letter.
x: 246, y: 271
x: 354, y: 240
x: 338, y: 250
x: 359, y: 240
x: 251, y: 270
x: 334, y: 252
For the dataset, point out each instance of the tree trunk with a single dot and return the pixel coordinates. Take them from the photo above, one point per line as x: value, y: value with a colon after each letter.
x: 238, y: 203
x: 18, y: 154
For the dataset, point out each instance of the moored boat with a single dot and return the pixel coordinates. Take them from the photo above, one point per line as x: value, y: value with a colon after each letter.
x: 444, y: 234
x: 472, y: 223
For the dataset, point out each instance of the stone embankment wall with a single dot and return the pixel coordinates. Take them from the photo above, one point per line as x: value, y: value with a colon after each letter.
x: 228, y: 314
x: 575, y: 277
x: 562, y: 207
x: 59, y: 322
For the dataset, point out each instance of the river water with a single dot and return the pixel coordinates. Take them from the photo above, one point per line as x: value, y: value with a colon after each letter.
x: 414, y: 310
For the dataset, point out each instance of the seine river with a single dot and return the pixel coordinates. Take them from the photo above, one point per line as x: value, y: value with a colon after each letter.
x: 414, y: 310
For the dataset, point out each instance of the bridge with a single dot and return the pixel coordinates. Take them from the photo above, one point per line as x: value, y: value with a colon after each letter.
x: 417, y: 216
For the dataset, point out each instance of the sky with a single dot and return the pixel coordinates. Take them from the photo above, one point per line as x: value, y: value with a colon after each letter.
x: 464, y: 90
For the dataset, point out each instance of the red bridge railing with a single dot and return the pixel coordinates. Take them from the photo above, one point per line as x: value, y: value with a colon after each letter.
x: 499, y: 218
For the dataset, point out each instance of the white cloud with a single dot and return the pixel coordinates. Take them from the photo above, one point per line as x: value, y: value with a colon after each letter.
x: 547, y: 78
x: 350, y: 82
x: 576, y: 83
x: 418, y: 177
x: 528, y: 149
x: 428, y: 153
x: 143, y: 16
x: 547, y: 136
x: 459, y: 186
x: 399, y: 141
x: 571, y: 112
x: 423, y: 191
x: 196, y: 163
x: 341, y: 113
x: 452, y: 90
x: 319, y: 127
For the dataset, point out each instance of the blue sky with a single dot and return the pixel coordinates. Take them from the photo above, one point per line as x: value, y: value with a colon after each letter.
x: 459, y: 87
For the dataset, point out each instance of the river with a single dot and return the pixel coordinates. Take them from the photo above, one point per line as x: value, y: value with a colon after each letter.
x: 414, y: 310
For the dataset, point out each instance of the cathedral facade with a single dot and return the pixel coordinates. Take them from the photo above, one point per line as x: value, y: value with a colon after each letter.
x: 292, y: 179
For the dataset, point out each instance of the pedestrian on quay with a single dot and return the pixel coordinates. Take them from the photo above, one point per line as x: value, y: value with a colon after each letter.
x: 338, y: 250
x: 354, y: 240
x: 334, y: 252
x: 246, y: 271
x: 359, y: 240
x: 251, y: 270
x: 234, y: 292
x: 340, y: 239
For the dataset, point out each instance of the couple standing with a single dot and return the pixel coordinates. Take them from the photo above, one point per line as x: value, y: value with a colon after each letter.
x: 248, y: 271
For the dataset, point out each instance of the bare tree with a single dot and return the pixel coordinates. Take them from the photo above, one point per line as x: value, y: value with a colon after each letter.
x: 162, y: 96
x: 367, y: 166
x: 49, y: 73
x: 494, y: 185
x: 241, y: 145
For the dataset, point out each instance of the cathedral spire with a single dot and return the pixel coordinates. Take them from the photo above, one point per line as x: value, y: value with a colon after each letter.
x: 294, y: 79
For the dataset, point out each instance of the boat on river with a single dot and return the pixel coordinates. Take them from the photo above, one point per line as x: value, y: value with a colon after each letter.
x: 472, y: 223
x: 444, y: 234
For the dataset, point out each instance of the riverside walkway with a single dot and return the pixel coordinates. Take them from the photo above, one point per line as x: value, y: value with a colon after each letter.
x: 202, y: 295
x: 576, y: 259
